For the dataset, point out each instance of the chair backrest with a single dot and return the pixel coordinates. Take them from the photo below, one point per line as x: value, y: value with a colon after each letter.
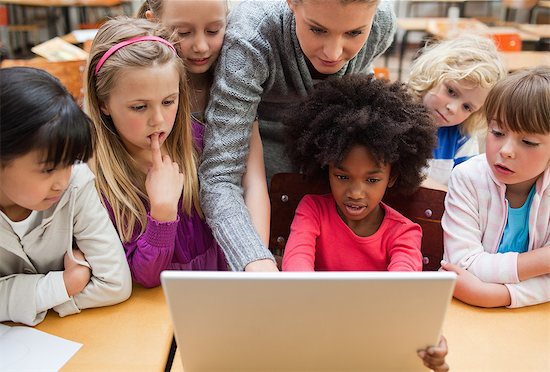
x: 507, y: 42
x: 424, y: 207
x: 70, y: 73
x: 519, y: 4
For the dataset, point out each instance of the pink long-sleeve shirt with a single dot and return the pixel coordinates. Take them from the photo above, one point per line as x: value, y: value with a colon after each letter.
x: 320, y: 240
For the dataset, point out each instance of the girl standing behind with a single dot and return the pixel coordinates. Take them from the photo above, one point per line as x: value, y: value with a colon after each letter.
x: 201, y: 28
x: 147, y: 150
x: 497, y: 210
x: 58, y: 248
x: 365, y: 135
x: 453, y: 78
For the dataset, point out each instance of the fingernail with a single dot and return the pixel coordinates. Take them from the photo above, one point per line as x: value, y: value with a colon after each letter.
x: 421, y: 353
x: 443, y: 262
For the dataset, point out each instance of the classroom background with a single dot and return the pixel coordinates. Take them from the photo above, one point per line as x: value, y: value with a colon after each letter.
x: 137, y: 334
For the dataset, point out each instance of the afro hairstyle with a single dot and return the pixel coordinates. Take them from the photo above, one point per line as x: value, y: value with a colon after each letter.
x: 358, y: 109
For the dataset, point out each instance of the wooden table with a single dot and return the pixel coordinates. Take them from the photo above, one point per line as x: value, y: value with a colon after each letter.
x: 525, y: 59
x: 52, y: 5
x: 446, y: 28
x: 498, y: 340
x: 490, y: 340
x: 542, y: 31
x: 408, y: 25
x: 132, y: 336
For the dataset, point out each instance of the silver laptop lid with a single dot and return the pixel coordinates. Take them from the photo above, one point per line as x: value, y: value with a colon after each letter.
x: 322, y: 321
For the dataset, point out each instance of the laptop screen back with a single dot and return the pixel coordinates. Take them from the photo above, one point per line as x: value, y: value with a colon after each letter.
x: 322, y: 321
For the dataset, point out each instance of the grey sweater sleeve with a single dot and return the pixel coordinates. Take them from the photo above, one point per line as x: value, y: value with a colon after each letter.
x: 260, y: 52
x: 235, y: 95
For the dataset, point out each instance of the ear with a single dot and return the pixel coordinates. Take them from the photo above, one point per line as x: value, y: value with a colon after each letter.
x: 292, y: 5
x: 149, y: 16
x: 392, y: 180
x: 104, y: 109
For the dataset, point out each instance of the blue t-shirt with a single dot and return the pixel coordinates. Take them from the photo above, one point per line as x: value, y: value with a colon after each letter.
x: 516, y: 232
x: 453, y: 148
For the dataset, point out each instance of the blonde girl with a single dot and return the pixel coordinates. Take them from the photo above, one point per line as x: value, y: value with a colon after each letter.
x: 200, y: 26
x: 147, y: 150
x: 453, y: 78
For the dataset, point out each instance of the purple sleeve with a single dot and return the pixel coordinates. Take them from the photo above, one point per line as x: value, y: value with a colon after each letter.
x: 150, y: 253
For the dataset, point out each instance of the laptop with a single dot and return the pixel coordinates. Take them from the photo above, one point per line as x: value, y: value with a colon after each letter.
x: 319, y: 321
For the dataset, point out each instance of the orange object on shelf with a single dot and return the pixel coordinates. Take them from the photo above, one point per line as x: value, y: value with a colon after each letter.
x: 507, y: 42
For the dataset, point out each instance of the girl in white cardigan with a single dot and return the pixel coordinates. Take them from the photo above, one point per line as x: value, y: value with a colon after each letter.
x: 497, y: 210
x: 58, y: 248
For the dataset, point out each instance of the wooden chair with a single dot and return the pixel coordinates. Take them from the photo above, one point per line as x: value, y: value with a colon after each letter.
x: 424, y: 207
x: 70, y: 73
x: 507, y: 42
x: 511, y: 8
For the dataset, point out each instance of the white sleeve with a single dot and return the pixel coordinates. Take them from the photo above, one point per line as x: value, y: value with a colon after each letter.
x: 463, y: 231
x: 530, y: 292
x: 50, y: 291
x: 98, y: 240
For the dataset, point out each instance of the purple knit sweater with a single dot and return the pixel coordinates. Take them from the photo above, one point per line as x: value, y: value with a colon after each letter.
x: 184, y: 244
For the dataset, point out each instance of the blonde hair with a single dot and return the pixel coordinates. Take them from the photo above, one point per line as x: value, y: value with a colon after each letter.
x: 521, y: 102
x: 155, y: 7
x: 118, y: 178
x: 345, y: 2
x: 471, y: 58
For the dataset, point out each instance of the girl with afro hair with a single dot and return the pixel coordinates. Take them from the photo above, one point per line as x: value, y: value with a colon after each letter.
x: 365, y: 135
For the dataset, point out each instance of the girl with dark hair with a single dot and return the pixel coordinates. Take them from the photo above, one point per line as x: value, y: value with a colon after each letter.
x: 58, y: 248
x: 366, y: 136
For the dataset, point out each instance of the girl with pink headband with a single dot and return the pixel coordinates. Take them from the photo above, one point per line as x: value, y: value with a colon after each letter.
x: 147, y: 150
x: 200, y: 26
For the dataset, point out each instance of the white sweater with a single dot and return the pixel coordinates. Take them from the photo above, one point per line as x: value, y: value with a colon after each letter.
x: 78, y: 215
x: 473, y: 224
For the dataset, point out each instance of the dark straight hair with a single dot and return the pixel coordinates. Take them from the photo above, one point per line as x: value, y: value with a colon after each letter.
x: 38, y: 113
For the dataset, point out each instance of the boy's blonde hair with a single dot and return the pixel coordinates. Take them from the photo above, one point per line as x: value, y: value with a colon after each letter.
x: 117, y: 176
x: 471, y: 58
x: 521, y: 102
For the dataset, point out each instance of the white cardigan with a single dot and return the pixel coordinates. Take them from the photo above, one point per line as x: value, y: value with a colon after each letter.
x: 473, y: 223
x: 79, y: 215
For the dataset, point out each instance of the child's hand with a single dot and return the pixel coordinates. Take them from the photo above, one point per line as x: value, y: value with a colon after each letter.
x: 472, y: 290
x: 261, y: 265
x: 164, y: 184
x: 434, y: 356
x: 75, y: 276
x: 467, y: 284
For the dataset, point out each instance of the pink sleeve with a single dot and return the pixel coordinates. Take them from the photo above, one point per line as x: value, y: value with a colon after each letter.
x: 404, y: 252
x: 300, y: 248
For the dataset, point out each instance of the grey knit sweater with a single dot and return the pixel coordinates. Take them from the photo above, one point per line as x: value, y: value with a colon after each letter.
x: 261, y: 72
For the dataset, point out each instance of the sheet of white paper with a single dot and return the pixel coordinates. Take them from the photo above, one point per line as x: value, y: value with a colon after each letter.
x: 84, y: 35
x: 25, y: 348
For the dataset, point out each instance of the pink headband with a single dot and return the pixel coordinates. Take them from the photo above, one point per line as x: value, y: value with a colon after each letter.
x: 122, y: 44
